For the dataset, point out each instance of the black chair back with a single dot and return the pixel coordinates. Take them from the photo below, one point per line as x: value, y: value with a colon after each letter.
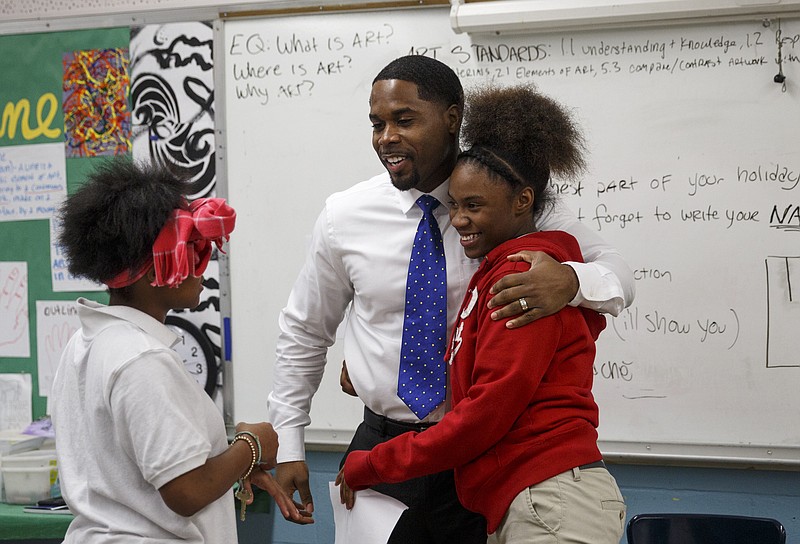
x: 704, y: 529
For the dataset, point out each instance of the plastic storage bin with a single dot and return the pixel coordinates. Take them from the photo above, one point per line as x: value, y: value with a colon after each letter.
x: 15, y: 442
x: 30, y: 459
x: 28, y: 485
x: 29, y: 477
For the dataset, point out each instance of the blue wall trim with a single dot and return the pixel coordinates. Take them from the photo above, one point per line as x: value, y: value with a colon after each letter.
x: 773, y: 494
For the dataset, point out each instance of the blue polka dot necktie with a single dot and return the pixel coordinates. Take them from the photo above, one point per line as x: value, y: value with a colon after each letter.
x: 422, y: 381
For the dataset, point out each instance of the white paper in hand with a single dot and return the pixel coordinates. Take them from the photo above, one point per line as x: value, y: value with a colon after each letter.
x: 371, y: 520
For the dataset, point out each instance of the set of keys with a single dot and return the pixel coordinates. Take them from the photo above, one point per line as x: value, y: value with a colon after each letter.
x: 244, y: 495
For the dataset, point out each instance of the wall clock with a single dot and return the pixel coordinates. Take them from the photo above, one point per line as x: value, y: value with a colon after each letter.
x: 196, y: 352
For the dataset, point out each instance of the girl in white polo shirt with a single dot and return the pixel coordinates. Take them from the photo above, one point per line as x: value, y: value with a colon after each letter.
x: 143, y: 454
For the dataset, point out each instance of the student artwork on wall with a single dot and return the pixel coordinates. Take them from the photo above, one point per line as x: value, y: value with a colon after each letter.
x: 15, y: 401
x: 97, y: 120
x: 56, y: 322
x: 14, y: 328
x: 172, y: 97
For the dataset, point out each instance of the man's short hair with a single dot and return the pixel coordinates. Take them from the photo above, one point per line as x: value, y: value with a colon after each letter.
x: 435, y: 81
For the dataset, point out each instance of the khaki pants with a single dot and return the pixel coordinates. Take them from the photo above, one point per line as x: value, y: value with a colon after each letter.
x: 575, y: 507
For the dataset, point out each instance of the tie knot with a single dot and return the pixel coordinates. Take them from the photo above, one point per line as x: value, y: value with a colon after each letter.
x: 427, y: 203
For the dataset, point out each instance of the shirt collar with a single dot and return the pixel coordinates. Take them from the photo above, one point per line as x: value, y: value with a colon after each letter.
x: 96, y: 317
x: 408, y: 199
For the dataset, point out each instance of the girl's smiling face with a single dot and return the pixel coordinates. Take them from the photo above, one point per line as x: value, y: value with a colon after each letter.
x: 485, y: 210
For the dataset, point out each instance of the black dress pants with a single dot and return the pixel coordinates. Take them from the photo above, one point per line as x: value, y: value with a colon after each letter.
x: 434, y: 515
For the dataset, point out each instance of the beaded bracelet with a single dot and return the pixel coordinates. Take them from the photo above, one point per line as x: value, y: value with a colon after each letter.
x: 253, y: 450
x: 258, y: 443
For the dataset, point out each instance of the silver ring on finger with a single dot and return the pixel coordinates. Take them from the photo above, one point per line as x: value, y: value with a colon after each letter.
x: 523, y: 304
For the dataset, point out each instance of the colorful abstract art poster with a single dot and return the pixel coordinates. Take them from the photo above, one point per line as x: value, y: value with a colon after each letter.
x: 97, y: 119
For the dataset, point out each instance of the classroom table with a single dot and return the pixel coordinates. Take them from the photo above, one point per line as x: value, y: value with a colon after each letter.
x: 18, y: 526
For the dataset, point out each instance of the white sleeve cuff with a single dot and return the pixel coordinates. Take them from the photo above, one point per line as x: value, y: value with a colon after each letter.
x: 291, y: 444
x: 598, y: 288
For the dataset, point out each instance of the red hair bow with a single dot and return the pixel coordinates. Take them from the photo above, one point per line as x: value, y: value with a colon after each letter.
x: 184, y: 245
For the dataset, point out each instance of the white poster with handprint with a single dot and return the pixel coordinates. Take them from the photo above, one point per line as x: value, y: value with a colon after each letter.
x: 14, y: 329
x: 56, y: 322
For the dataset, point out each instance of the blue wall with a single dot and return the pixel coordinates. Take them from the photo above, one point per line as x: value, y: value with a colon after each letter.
x: 646, y: 488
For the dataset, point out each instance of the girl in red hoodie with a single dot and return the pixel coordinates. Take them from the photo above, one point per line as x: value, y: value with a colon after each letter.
x: 521, y: 433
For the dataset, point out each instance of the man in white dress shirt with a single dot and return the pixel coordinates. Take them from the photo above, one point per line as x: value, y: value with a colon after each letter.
x: 359, y: 254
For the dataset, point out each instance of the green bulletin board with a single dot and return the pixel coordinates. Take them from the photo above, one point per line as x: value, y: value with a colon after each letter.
x: 32, y: 75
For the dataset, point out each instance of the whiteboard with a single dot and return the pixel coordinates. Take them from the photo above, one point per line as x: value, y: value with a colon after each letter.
x: 694, y: 175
